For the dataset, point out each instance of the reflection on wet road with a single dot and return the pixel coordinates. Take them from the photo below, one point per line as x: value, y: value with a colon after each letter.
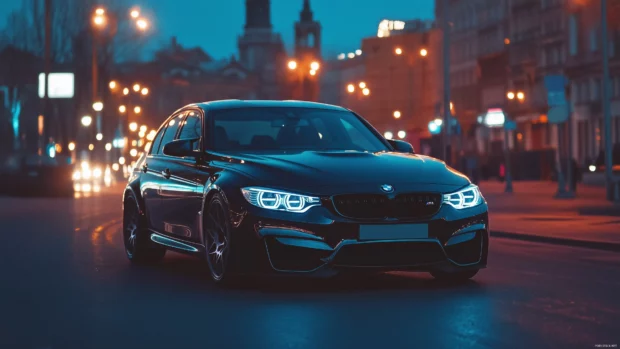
x: 67, y: 284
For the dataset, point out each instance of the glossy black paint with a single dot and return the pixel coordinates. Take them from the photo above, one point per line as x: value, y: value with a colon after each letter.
x: 172, y: 192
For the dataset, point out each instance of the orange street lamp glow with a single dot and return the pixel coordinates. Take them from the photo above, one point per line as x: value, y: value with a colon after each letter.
x: 142, y: 24
x: 313, y: 72
x: 72, y: 146
x: 398, y: 51
x: 145, y: 91
x: 315, y: 65
x: 122, y: 109
x: 520, y: 95
x: 136, y: 87
x: 100, y: 11
x: 366, y: 92
x: 125, y: 91
x: 134, y: 13
x: 99, y: 20
x: 510, y: 95
x: 423, y: 52
x: 362, y: 85
x: 351, y: 88
x: 137, y: 110
x: 112, y: 85
x: 133, y: 127
x: 397, y: 114
x: 292, y: 65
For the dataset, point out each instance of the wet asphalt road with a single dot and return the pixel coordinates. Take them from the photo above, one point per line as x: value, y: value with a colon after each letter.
x: 67, y: 284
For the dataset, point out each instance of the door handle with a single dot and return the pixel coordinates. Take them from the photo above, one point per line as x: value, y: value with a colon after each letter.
x: 144, y: 168
x: 166, y: 173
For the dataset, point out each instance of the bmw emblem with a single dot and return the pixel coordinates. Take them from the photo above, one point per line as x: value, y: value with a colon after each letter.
x: 387, y: 188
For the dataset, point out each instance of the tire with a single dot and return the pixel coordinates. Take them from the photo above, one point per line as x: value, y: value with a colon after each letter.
x: 138, y: 248
x: 218, y: 241
x: 456, y: 277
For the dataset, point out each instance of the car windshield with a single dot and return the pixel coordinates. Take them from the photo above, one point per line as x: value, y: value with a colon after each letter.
x: 260, y: 129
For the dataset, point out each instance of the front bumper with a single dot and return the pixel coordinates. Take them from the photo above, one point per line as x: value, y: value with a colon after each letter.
x: 324, y: 244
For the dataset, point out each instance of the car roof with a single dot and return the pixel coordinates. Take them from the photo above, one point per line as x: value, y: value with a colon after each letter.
x: 237, y: 103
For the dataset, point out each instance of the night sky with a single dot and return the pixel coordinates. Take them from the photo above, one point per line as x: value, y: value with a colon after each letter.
x: 215, y: 24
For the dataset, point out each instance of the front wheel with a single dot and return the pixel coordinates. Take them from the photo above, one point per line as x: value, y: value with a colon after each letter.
x: 460, y: 276
x: 217, y: 238
x: 138, y: 248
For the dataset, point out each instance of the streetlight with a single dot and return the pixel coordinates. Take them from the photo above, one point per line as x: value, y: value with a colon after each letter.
x: 136, y: 87
x: 362, y: 84
x: 87, y: 120
x: 315, y: 65
x: 398, y: 51
x: 91, y: 147
x: 133, y: 152
x: 71, y: 146
x: 292, y: 65
x: 121, y: 160
x: 99, y: 136
x: 366, y: 92
x: 388, y: 135
x: 142, y: 24
x: 135, y: 13
x: 402, y: 134
x: 125, y: 91
x: 313, y: 72
x: 99, y: 20
x: 137, y: 109
x: 423, y: 52
x: 520, y: 96
x: 122, y: 108
x: 145, y: 91
x: 351, y: 88
x: 143, y: 128
x: 108, y: 146
x: 99, y: 11
x: 510, y: 95
x: 133, y: 127
x: 98, y: 106
x: 112, y: 85
x: 397, y: 114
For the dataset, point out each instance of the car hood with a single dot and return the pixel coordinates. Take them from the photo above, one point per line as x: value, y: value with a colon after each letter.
x: 344, y: 171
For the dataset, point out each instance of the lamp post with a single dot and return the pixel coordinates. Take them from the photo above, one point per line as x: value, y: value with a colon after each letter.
x: 303, y: 72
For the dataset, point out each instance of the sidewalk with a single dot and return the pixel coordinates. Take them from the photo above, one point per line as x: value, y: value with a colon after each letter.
x: 532, y: 213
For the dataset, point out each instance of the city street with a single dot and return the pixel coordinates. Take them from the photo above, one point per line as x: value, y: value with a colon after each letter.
x: 67, y: 284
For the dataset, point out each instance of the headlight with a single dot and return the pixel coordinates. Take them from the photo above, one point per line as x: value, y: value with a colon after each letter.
x: 464, y: 198
x: 279, y: 200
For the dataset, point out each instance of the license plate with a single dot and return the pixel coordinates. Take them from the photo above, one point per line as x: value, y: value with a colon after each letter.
x: 393, y: 231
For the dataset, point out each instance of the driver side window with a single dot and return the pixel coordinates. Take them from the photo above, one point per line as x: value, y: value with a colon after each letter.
x: 171, y: 131
x: 191, y: 128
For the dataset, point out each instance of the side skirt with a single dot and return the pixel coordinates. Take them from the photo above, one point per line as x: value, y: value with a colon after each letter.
x: 177, y: 245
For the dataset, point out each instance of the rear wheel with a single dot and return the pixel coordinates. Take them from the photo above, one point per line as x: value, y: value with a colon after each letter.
x: 460, y: 276
x: 217, y: 238
x: 138, y: 248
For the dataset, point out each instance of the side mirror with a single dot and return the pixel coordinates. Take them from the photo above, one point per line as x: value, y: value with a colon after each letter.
x: 181, y: 148
x: 401, y: 146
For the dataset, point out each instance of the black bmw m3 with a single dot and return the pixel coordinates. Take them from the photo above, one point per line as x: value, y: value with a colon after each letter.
x: 298, y: 188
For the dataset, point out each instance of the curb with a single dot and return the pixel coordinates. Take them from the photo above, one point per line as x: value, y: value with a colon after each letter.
x: 596, y: 245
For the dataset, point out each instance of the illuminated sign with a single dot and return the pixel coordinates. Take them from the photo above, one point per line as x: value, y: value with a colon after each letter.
x: 494, y: 117
x: 386, y: 27
x: 61, y: 85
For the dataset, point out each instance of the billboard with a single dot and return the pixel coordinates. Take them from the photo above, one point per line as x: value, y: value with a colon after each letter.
x: 62, y: 85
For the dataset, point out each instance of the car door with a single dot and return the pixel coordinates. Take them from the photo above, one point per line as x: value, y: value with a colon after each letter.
x: 150, y: 179
x: 158, y: 171
x: 181, y: 201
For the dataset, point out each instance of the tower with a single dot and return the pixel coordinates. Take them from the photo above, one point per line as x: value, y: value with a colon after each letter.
x: 260, y: 49
x: 307, y: 34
